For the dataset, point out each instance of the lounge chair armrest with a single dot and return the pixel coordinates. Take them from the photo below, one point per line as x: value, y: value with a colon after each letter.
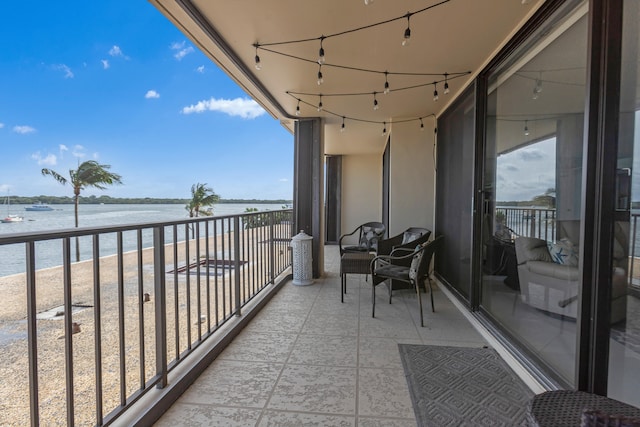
x: 348, y: 234
x: 398, y: 252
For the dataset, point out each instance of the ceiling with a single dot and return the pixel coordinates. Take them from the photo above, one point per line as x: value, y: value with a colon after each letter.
x: 454, y: 36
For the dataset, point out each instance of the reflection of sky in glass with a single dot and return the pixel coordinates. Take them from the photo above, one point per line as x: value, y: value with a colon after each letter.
x: 635, y: 180
x: 526, y: 172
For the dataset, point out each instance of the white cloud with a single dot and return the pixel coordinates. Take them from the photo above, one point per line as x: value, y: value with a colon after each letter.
x: 1, y: 125
x: 78, y: 151
x: 182, y: 51
x: 68, y: 74
x: 242, y: 107
x: 116, y: 51
x: 23, y: 129
x: 105, y: 63
x: 152, y: 94
x: 200, y: 69
x: 283, y: 180
x: 62, y: 148
x: 48, y: 160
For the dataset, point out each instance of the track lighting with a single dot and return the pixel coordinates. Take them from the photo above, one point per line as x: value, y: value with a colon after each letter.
x: 321, y: 58
x: 435, y: 92
x: 446, y: 83
x: 384, y: 129
x: 320, y: 104
x: 421, y: 125
x: 342, y: 128
x: 407, y: 33
x: 375, y: 102
x: 526, y: 128
x: 386, y: 83
x: 320, y: 79
x: 298, y: 108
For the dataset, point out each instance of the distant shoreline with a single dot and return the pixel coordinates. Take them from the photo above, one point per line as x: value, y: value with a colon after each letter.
x: 106, y: 200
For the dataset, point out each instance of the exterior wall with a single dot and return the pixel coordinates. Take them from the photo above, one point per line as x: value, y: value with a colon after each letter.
x: 412, y: 177
x: 361, y: 190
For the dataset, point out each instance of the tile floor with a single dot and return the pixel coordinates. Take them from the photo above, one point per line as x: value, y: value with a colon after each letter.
x: 307, y: 359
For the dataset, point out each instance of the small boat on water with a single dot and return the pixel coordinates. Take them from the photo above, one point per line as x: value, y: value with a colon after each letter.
x: 38, y: 207
x: 9, y: 217
x: 12, y: 218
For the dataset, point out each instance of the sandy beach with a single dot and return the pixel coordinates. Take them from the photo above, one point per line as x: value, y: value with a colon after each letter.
x: 14, y: 383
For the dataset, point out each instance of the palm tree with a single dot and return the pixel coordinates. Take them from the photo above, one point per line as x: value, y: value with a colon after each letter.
x: 201, y: 197
x: 88, y: 174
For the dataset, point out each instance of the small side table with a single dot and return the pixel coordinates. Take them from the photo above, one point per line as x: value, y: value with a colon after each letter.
x: 353, y: 263
x: 563, y: 408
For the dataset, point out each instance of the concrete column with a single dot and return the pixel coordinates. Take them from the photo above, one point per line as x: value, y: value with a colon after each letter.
x: 308, y: 186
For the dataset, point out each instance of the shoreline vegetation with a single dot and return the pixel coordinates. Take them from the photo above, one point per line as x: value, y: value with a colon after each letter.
x: 107, y: 200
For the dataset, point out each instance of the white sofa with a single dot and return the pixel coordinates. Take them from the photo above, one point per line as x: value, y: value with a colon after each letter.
x: 554, y: 287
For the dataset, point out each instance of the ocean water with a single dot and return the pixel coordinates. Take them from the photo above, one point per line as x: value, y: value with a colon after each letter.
x: 12, y: 257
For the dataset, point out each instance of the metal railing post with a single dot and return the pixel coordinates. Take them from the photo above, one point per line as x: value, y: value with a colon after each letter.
x: 272, y: 248
x: 160, y: 305
x: 32, y: 333
x: 236, y: 262
x: 97, y: 314
x: 68, y: 328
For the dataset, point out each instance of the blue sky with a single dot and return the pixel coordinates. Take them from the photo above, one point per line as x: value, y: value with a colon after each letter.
x: 116, y: 82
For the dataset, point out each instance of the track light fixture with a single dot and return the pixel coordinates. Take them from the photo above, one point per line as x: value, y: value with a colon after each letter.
x: 375, y: 102
x: 298, y: 108
x: 386, y: 83
x: 321, y: 58
x: 342, y: 128
x: 526, y: 128
x: 320, y: 103
x: 384, y: 129
x: 407, y: 33
x: 421, y: 125
x: 320, y: 79
x: 435, y: 92
x: 446, y: 83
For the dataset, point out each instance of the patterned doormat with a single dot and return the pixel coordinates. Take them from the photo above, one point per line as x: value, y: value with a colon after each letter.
x: 462, y: 386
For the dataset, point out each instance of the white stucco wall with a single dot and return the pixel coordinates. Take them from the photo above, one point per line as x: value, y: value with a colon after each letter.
x: 412, y: 182
x: 361, y: 190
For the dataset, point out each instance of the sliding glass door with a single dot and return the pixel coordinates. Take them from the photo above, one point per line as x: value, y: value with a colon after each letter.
x: 624, y: 338
x: 532, y: 187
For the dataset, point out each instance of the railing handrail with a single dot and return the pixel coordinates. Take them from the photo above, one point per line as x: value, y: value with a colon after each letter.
x: 33, y: 236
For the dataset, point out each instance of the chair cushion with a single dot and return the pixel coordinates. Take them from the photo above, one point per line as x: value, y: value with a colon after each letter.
x: 410, y: 236
x: 415, y: 263
x: 563, y: 252
x: 369, y: 237
x: 551, y: 269
x: 391, y: 271
x: 532, y: 249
